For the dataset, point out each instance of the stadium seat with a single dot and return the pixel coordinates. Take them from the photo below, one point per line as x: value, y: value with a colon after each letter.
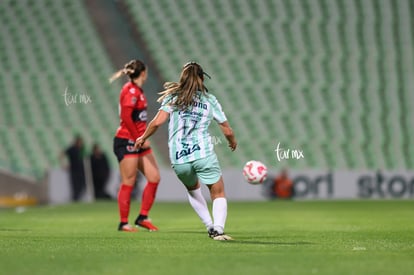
x: 331, y: 77
x: 317, y: 72
x: 43, y: 56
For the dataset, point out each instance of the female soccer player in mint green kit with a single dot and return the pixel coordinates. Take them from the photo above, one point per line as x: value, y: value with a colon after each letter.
x: 190, y: 108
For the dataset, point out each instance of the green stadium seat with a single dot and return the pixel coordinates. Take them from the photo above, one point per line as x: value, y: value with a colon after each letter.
x: 289, y: 70
x: 44, y: 40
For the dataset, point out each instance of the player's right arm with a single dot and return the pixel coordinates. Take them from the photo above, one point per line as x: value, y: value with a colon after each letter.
x: 160, y: 118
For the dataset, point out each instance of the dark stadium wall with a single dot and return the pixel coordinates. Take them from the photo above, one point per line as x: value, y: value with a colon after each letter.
x: 16, y: 190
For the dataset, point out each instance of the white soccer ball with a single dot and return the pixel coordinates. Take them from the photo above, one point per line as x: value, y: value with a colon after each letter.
x: 255, y: 172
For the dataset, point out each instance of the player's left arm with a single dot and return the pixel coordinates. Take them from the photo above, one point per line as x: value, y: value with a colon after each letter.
x: 225, y: 127
x: 160, y: 118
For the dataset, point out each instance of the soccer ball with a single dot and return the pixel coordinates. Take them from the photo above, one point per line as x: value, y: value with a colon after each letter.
x: 254, y: 172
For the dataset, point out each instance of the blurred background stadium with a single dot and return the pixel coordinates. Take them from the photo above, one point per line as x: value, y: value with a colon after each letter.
x: 331, y: 77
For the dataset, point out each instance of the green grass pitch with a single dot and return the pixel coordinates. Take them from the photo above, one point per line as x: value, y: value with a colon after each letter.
x: 275, y: 237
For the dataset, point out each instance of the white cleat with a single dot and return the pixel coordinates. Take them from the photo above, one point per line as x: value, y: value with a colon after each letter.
x: 222, y: 237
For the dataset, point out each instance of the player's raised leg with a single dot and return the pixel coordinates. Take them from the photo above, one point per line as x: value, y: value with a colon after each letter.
x: 199, y: 204
x: 187, y: 175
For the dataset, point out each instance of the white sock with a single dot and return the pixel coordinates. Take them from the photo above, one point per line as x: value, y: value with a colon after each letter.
x: 199, y: 204
x: 219, y: 214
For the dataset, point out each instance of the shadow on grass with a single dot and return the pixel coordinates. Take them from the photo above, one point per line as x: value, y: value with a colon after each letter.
x: 237, y: 240
x: 14, y: 230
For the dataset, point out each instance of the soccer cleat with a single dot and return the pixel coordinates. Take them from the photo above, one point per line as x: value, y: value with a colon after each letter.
x: 211, y: 232
x: 218, y: 236
x: 126, y: 228
x: 222, y: 237
x: 146, y: 223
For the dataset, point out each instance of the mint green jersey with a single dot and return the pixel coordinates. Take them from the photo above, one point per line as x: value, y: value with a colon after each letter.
x: 188, y: 137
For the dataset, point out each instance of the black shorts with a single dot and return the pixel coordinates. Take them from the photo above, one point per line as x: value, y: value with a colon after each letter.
x: 124, y: 148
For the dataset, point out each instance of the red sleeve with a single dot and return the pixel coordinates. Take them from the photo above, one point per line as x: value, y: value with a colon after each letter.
x: 126, y: 116
x: 129, y: 99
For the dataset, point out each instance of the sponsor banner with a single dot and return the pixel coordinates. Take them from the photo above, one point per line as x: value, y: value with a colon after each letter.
x: 308, y: 185
x: 353, y: 184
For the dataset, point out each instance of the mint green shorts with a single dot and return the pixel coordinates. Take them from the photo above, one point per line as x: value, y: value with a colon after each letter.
x: 207, y: 170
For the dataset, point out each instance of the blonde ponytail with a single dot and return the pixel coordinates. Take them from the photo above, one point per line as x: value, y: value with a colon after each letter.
x: 184, y: 91
x: 116, y: 75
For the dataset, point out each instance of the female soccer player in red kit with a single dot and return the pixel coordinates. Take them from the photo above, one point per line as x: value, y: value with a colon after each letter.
x: 133, y: 121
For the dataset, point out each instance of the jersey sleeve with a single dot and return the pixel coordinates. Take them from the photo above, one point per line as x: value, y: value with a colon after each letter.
x: 130, y: 98
x: 218, y: 113
x: 165, y: 105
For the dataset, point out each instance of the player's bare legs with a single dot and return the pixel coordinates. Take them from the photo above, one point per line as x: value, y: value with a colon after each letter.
x: 128, y: 170
x: 149, y: 167
x: 217, y: 189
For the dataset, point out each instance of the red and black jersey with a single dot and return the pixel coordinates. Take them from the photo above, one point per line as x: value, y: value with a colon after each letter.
x: 132, y: 112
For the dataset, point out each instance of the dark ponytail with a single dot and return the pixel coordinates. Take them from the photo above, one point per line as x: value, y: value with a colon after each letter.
x: 132, y: 69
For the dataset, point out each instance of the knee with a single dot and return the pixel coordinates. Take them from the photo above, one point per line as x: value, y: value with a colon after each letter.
x: 217, y: 193
x: 154, y: 177
x: 129, y: 179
